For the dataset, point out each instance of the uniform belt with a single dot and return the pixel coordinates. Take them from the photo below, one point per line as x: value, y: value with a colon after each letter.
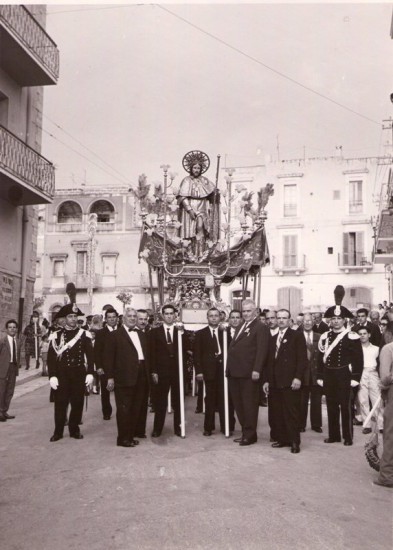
x: 336, y: 368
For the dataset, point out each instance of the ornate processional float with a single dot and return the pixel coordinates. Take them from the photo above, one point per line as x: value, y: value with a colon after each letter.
x: 191, y: 244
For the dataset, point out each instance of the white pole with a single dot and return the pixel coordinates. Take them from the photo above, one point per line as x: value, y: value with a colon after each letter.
x: 193, y: 382
x: 169, y: 402
x: 204, y: 398
x: 376, y: 405
x: 181, y: 384
x: 226, y: 401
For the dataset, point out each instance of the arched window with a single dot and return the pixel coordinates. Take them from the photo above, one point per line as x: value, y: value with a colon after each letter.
x: 69, y: 212
x: 104, y: 210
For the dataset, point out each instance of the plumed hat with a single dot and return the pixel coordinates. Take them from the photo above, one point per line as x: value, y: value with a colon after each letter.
x: 338, y: 310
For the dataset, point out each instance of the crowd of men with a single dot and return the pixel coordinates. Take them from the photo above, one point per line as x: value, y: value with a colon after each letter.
x: 264, y: 353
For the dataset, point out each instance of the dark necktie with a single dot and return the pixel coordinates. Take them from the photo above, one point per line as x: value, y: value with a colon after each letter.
x: 309, y: 345
x: 168, y: 336
x: 13, y: 350
x: 278, y: 343
x: 215, y: 343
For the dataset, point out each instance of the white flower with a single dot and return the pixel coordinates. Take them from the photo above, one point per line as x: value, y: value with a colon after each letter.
x: 247, y: 256
x: 149, y: 232
x: 145, y: 253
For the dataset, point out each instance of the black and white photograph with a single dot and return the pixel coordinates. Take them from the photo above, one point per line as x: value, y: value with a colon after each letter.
x: 196, y: 275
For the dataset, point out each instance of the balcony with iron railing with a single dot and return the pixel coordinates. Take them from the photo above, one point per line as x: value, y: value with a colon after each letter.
x: 27, y: 54
x: 355, y: 207
x: 356, y: 261
x: 289, y: 264
x: 80, y: 227
x: 83, y: 280
x: 26, y: 177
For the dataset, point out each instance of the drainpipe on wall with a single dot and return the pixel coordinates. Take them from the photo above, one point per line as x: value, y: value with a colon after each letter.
x: 25, y: 227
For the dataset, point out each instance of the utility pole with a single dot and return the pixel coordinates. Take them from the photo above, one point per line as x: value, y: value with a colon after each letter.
x: 278, y: 148
x: 91, y: 230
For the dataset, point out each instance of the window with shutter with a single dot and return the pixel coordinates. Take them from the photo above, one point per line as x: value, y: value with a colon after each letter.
x: 355, y: 197
x: 290, y: 251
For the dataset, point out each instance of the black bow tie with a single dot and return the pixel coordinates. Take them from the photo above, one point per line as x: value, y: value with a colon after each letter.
x: 132, y: 330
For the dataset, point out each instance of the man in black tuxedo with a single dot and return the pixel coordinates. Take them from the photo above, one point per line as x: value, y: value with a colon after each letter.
x: 126, y: 371
x: 310, y: 389
x: 319, y: 325
x: 164, y: 368
x: 111, y: 322
x: 208, y: 360
x: 282, y: 381
x: 143, y: 328
x: 247, y: 357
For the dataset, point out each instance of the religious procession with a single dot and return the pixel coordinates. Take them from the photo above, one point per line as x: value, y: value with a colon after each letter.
x: 196, y: 276
x: 236, y: 363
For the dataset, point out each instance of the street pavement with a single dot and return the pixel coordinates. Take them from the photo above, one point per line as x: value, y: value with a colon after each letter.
x: 172, y: 493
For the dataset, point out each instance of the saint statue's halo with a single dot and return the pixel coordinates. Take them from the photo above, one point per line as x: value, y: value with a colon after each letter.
x: 196, y: 157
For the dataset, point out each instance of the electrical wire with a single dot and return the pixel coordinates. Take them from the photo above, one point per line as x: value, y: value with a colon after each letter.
x: 88, y: 149
x: 259, y: 62
x: 80, y: 154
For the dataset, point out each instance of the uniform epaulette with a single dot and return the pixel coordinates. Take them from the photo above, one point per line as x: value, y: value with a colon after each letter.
x: 52, y: 335
x: 353, y: 335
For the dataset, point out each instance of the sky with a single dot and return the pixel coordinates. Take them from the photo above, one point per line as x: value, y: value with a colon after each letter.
x: 141, y: 85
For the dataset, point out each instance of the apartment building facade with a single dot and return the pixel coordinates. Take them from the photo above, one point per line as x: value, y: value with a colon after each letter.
x: 321, y: 231
x: 29, y: 60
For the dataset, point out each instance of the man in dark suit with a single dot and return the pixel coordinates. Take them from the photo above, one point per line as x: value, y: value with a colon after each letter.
x: 247, y: 356
x: 102, y: 336
x: 319, y: 325
x: 282, y: 381
x: 310, y: 389
x: 208, y: 361
x: 143, y: 328
x: 164, y: 368
x: 126, y: 371
x: 373, y: 329
x: 9, y: 366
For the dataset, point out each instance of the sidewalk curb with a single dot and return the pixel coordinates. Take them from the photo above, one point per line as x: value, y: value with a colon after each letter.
x: 27, y: 378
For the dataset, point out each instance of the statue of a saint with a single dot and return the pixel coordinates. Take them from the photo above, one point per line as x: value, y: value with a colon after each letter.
x: 198, y: 202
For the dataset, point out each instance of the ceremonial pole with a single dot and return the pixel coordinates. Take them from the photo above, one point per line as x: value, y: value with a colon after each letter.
x: 181, y: 385
x: 215, y: 197
x: 226, y: 399
x: 35, y: 322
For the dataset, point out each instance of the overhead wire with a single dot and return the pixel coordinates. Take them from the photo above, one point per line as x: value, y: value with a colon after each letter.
x: 88, y: 149
x: 259, y: 62
x: 80, y: 154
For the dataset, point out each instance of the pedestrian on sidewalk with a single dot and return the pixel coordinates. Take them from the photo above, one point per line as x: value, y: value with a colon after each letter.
x: 9, y: 366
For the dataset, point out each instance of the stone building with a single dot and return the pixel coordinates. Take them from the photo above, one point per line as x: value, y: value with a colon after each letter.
x: 102, y: 265
x: 29, y: 60
x: 321, y: 231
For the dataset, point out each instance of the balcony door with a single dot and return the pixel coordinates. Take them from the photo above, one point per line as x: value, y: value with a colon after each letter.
x: 353, y: 248
x: 290, y: 298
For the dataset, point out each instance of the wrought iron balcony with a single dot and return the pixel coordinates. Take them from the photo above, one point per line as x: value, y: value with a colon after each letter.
x: 26, y: 177
x: 355, y: 261
x: 289, y: 263
x: 27, y: 53
x: 82, y: 281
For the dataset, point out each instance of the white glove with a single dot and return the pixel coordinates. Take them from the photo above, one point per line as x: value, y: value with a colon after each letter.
x: 354, y: 383
x: 89, y: 379
x: 54, y: 383
x: 320, y: 383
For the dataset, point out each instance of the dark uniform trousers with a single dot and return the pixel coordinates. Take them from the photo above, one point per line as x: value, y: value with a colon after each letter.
x: 128, y: 405
x: 337, y: 386
x: 140, y: 429
x: 215, y: 401
x: 284, y: 405
x: 71, y: 391
x: 160, y: 403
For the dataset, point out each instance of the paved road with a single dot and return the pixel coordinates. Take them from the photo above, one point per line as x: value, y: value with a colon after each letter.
x: 196, y: 493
